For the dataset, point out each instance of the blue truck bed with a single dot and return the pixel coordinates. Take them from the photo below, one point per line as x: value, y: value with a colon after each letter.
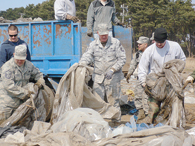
x: 57, y: 45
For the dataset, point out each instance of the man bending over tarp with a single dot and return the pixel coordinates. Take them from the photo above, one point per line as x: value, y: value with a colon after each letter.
x: 16, y: 73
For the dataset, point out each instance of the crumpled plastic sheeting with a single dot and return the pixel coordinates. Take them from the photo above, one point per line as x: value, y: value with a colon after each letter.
x: 159, y: 136
x: 5, y: 131
x: 85, y: 122
x: 25, y: 115
x: 167, y: 88
x: 40, y: 135
x: 73, y: 92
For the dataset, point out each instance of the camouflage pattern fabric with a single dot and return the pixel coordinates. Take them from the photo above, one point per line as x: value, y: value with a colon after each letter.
x: 109, y: 90
x: 141, y: 98
x: 135, y: 62
x: 154, y: 107
x: 104, y: 58
x: 13, y: 79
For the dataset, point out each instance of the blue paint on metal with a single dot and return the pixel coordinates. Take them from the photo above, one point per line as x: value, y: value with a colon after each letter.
x: 54, y: 45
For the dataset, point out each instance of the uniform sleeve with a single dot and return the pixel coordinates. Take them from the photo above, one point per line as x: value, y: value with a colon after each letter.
x: 90, y: 18
x: 114, y: 18
x: 87, y: 57
x: 7, y: 77
x: 121, y: 57
x: 144, y: 66
x: 36, y: 74
x: 59, y: 8
x: 133, y: 65
x: 2, y: 56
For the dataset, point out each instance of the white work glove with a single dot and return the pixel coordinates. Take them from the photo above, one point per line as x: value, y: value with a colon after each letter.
x: 109, y: 74
x: 189, y: 79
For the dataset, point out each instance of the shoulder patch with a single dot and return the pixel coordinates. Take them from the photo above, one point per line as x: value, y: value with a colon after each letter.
x: 8, y: 74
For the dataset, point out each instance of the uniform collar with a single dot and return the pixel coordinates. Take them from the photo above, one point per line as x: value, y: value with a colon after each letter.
x: 107, y: 44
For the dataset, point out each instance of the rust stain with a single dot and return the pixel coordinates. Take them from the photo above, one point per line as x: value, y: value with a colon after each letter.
x: 77, y: 29
x: 48, y: 42
x: 36, y: 36
x: 37, y: 42
x: 48, y: 31
x: 58, y: 30
x: 4, y: 35
x: 69, y: 29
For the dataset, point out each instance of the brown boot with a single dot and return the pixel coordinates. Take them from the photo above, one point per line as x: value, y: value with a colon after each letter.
x: 146, y: 120
x: 140, y: 115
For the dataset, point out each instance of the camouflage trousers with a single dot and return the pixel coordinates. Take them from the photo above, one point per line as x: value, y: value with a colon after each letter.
x: 109, y: 91
x: 141, y: 98
x: 154, y: 107
x: 7, y: 107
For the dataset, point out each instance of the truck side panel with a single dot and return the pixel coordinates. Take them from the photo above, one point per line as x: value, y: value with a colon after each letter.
x: 54, y: 45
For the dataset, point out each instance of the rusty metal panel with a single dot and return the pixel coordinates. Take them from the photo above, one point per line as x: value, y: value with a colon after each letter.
x: 54, y: 45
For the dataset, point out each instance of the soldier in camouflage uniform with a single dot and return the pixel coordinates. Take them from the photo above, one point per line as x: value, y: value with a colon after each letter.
x: 108, y: 56
x: 141, y: 98
x: 15, y: 74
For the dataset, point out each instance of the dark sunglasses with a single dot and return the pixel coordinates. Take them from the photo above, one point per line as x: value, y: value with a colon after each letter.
x: 13, y: 35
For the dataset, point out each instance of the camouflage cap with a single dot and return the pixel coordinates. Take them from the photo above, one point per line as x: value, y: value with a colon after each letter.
x: 20, y: 52
x: 103, y: 29
x: 143, y: 39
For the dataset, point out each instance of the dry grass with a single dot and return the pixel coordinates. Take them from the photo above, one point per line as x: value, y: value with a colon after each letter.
x: 190, y: 65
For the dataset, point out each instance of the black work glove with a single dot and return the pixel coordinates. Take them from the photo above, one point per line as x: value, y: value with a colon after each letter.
x: 121, y: 24
x: 90, y: 34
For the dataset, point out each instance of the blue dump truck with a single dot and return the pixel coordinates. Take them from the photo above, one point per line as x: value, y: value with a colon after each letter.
x: 57, y: 45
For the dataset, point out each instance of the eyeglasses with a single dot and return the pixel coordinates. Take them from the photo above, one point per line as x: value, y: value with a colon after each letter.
x: 13, y: 35
x: 139, y: 44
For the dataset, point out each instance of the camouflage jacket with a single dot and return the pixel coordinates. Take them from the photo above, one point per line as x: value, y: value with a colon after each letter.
x: 104, y: 58
x: 135, y: 62
x: 13, y: 78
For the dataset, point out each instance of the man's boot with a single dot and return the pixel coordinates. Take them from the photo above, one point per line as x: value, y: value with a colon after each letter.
x: 140, y: 115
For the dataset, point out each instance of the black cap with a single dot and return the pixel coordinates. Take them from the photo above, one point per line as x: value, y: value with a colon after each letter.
x: 160, y: 35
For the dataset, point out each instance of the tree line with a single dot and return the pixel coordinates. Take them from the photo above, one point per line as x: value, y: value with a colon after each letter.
x: 144, y: 16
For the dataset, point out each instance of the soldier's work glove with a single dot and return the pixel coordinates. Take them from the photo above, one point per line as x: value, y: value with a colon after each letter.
x: 189, y: 79
x: 121, y: 24
x: 40, y: 83
x: 127, y: 77
x: 73, y: 18
x: 90, y: 34
x: 109, y: 74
